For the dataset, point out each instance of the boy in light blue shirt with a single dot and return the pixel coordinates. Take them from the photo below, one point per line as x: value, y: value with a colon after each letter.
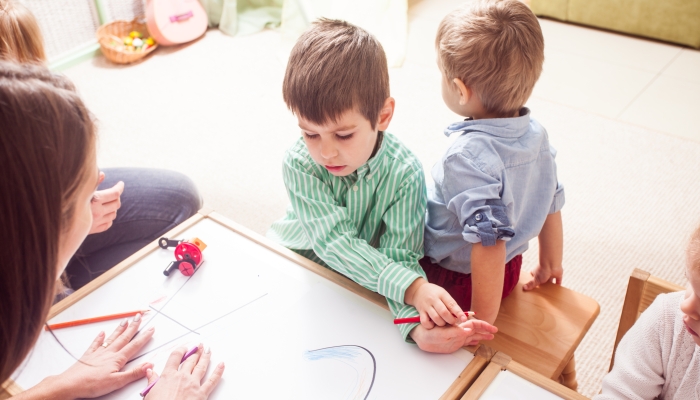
x: 496, y: 186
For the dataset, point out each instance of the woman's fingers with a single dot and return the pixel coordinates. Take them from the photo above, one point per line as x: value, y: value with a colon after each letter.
x: 137, y: 343
x: 189, y: 364
x: 151, y: 375
x: 126, y: 377
x: 113, y: 337
x: 213, y: 380
x: 128, y: 333
x: 96, y: 343
x: 202, y: 365
x: 173, y: 363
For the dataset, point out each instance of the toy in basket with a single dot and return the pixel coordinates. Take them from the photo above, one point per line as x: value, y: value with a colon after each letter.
x: 124, y: 42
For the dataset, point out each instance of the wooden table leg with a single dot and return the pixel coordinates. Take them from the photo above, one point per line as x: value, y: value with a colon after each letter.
x: 568, y: 375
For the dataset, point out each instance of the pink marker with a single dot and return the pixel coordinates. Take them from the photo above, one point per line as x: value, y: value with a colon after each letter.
x: 185, y: 357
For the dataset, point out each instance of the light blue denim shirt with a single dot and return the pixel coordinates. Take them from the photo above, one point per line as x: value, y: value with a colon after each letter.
x: 497, y: 181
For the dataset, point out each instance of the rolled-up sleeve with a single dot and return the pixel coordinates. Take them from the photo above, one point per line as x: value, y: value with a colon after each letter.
x: 474, y: 196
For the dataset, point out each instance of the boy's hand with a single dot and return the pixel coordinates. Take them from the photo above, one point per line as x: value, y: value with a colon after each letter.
x: 542, y: 274
x: 448, y: 339
x: 434, y: 304
x: 551, y: 240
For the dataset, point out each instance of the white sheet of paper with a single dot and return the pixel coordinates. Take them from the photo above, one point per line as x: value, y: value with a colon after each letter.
x: 281, y: 330
x: 508, y: 386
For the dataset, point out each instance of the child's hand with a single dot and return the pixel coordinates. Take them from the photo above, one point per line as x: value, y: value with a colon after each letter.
x: 448, y: 339
x: 542, y: 274
x: 434, y: 304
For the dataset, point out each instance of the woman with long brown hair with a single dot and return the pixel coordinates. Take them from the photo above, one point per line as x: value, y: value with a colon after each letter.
x: 132, y: 206
x: 49, y: 175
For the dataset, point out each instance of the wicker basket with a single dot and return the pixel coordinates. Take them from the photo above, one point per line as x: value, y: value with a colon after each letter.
x: 116, y: 30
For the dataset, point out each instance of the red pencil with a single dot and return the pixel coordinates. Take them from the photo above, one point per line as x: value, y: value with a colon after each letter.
x: 93, y: 320
x: 414, y: 320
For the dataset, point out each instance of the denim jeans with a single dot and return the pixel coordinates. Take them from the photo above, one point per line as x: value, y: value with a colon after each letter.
x: 153, y: 202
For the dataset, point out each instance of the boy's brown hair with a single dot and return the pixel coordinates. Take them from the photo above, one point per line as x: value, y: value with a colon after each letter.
x: 335, y: 67
x: 496, y: 48
x: 20, y: 36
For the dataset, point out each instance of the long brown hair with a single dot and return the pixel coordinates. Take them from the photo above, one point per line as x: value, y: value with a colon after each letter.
x: 47, y: 140
x: 20, y: 36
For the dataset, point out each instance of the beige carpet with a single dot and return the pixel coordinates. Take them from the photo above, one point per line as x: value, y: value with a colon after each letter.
x: 214, y: 110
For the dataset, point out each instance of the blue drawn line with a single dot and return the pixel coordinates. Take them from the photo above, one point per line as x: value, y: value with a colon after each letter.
x: 343, y: 353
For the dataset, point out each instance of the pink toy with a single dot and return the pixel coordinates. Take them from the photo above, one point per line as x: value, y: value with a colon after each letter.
x: 173, y: 22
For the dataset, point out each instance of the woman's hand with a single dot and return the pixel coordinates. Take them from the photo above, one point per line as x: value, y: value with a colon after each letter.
x: 104, y: 206
x: 98, y: 370
x: 185, y: 383
x: 448, y: 339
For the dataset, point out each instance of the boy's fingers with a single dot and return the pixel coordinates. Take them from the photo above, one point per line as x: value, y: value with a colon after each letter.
x: 437, y: 319
x: 426, y: 321
x: 559, y: 275
x: 455, y: 309
x: 533, y: 283
x: 445, y: 314
x: 213, y: 380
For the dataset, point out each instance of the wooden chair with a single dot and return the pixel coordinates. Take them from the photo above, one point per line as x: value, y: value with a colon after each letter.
x: 641, y: 292
x: 540, y: 329
x: 502, y: 362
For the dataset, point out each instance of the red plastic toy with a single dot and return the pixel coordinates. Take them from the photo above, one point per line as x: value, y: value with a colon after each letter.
x: 188, y: 254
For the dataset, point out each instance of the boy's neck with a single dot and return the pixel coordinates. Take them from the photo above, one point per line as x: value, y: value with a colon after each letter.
x: 378, y: 144
x: 485, y: 115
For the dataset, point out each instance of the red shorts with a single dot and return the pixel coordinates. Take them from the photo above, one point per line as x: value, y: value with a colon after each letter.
x: 459, y: 285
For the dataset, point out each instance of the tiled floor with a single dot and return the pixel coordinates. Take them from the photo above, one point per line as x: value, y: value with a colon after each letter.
x: 643, y: 82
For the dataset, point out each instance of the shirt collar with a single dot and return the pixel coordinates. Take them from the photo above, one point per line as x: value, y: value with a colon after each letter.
x: 501, y: 127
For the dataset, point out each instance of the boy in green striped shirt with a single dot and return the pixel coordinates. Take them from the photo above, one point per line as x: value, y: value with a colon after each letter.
x: 357, y: 193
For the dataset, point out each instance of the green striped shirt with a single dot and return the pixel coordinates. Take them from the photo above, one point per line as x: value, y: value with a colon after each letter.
x: 367, y: 225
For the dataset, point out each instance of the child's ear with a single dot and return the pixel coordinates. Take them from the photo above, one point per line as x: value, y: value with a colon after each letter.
x: 464, y: 92
x: 386, y: 113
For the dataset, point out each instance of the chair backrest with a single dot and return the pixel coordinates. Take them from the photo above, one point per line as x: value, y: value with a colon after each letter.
x: 641, y: 292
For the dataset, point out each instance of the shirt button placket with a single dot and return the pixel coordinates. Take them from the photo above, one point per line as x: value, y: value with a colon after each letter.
x: 355, y: 188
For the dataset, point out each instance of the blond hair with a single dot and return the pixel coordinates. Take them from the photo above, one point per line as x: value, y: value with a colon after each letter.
x: 20, y: 36
x: 496, y: 48
x: 336, y: 66
x: 693, y: 252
